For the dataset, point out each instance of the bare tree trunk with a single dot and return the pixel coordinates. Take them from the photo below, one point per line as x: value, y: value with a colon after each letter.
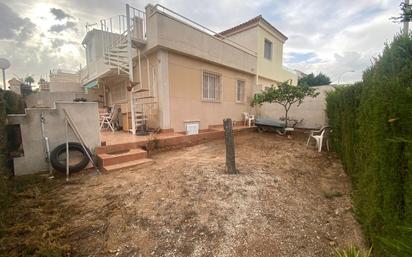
x: 230, y: 147
x: 286, y: 117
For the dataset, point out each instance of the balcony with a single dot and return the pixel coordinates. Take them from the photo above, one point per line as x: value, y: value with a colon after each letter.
x: 170, y: 30
x: 107, y: 48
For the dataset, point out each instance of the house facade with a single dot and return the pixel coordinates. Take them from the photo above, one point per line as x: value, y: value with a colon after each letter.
x: 166, y: 71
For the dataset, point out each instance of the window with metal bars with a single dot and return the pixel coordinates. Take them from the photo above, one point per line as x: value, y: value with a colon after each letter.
x: 211, y: 87
x: 240, y: 91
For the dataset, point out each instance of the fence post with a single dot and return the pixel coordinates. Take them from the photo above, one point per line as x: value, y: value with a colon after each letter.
x: 230, y: 147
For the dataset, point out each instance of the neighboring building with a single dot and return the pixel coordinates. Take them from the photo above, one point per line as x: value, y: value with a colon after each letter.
x: 300, y: 74
x: 168, y: 71
x: 19, y: 87
x: 44, y: 85
x: 63, y: 81
x: 15, y: 85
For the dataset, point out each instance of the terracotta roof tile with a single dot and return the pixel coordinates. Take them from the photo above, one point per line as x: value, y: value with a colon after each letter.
x: 248, y: 23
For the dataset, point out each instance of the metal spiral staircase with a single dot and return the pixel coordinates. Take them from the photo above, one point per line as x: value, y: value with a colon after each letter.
x: 124, y: 38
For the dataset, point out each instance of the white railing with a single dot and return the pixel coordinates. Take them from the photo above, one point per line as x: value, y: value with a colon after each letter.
x: 93, y: 70
x: 116, y: 29
x: 187, y: 21
x: 114, y: 33
x: 138, y: 23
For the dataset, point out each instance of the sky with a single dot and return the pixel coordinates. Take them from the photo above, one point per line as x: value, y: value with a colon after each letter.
x: 335, y: 37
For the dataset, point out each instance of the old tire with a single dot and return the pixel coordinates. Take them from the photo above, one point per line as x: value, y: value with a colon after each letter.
x: 60, y: 165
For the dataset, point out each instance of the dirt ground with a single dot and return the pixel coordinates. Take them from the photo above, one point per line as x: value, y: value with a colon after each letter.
x: 288, y: 200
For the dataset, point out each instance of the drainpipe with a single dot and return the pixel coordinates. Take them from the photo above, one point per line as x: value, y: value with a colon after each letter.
x: 46, y: 143
x: 256, y: 90
x: 129, y: 53
x: 140, y: 68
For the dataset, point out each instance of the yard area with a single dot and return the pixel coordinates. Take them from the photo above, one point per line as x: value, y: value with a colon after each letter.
x: 288, y: 200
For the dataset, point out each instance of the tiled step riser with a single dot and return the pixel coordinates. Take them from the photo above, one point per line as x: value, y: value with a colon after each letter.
x: 105, y: 161
x: 133, y: 164
x: 119, y: 147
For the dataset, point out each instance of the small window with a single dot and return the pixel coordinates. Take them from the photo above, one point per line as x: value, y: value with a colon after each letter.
x: 211, y: 86
x: 240, y: 91
x: 268, y: 50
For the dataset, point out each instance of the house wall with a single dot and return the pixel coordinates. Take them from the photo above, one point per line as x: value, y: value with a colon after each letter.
x: 94, y: 48
x: 95, y: 41
x: 264, y: 83
x: 114, y: 89
x: 85, y: 116
x: 170, y: 33
x: 272, y: 69
x: 268, y: 70
x: 185, y: 81
x: 47, y: 99
x: 312, y: 110
x: 247, y: 38
x: 150, y: 67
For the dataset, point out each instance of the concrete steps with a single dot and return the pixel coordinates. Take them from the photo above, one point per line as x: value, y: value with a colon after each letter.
x: 124, y: 157
x: 127, y: 165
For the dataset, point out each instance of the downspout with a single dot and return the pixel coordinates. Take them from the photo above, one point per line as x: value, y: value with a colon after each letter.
x: 255, y: 112
x: 140, y: 68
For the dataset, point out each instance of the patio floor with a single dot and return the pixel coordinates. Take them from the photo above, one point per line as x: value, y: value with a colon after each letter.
x: 120, y: 137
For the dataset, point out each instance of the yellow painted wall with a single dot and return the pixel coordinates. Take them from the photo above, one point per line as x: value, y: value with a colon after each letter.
x: 272, y: 69
x: 185, y: 80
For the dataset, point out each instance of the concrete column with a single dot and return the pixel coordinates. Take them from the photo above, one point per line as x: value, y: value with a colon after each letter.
x: 164, y: 89
x: 149, y: 8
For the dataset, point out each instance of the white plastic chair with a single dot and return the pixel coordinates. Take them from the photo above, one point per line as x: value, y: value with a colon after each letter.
x: 109, y: 118
x: 249, y: 118
x: 319, y: 136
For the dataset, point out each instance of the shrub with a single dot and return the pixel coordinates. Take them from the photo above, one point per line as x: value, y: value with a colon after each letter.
x: 14, y: 102
x: 353, y: 251
x: 10, y: 102
x: 372, y: 133
x: 342, y: 110
x: 3, y: 136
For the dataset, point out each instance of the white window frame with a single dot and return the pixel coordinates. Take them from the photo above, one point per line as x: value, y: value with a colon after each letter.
x: 270, y: 54
x: 218, y: 89
x: 237, y: 91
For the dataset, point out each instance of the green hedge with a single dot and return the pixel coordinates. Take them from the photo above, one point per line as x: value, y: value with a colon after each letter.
x: 3, y: 136
x: 372, y: 133
x: 10, y: 103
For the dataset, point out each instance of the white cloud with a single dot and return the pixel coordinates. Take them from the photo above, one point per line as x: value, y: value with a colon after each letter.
x: 345, y: 35
x: 335, y: 36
